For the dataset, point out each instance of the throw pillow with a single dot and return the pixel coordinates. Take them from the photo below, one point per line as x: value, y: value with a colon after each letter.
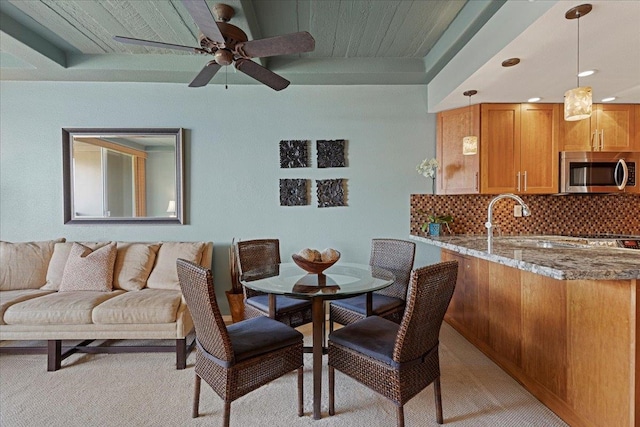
x: 134, y: 262
x: 88, y: 270
x: 59, y: 260
x: 24, y: 265
x: 165, y: 273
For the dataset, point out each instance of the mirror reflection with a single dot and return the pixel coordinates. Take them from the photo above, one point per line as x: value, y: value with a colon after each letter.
x: 123, y: 175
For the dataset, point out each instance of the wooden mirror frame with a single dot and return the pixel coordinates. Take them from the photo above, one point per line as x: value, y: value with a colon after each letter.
x: 68, y: 135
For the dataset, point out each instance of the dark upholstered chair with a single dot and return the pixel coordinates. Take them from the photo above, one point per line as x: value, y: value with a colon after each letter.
x: 395, y: 256
x: 255, y: 255
x: 398, y: 361
x: 238, y: 359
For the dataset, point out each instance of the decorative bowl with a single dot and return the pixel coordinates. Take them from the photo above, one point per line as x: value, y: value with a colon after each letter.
x: 312, y: 266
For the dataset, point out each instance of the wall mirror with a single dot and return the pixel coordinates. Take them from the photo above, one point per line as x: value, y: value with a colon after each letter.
x: 123, y: 175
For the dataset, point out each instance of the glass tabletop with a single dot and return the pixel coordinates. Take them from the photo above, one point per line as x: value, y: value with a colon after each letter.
x: 338, y: 281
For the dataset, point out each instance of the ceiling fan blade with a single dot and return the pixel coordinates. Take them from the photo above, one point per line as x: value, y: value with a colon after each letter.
x: 204, y: 19
x: 261, y: 74
x: 279, y: 45
x: 155, y: 44
x: 205, y: 75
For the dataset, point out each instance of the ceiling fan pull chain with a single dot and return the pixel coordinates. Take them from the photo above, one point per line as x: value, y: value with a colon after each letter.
x: 226, y: 71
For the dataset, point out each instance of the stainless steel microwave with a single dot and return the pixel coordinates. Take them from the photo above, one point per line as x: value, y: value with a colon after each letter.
x: 597, y: 172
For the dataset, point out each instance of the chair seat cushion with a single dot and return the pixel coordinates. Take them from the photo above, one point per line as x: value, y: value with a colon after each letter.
x: 260, y: 335
x: 380, y: 303
x: 283, y: 304
x: 372, y: 336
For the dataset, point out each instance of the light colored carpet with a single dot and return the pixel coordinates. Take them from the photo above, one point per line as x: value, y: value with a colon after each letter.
x: 146, y: 390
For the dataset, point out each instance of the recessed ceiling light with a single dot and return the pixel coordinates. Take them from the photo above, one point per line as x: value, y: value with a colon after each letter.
x: 534, y: 99
x: 586, y: 73
x: 609, y: 99
x: 510, y: 62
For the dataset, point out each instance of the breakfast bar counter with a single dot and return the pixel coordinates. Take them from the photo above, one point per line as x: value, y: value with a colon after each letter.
x: 558, y: 257
x: 559, y: 315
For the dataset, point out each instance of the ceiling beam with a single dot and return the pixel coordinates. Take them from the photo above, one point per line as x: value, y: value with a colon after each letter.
x: 26, y: 45
x: 466, y: 24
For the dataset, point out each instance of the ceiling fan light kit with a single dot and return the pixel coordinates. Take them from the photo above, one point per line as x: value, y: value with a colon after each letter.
x: 228, y: 45
x: 578, y: 102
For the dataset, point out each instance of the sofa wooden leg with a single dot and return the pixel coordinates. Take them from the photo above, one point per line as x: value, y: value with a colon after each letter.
x: 54, y: 355
x: 181, y: 353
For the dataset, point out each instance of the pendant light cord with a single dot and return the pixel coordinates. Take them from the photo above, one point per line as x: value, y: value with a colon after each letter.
x: 578, y: 64
x: 470, y: 118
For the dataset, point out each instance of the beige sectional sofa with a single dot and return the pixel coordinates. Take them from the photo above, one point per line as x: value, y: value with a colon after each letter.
x: 94, y: 292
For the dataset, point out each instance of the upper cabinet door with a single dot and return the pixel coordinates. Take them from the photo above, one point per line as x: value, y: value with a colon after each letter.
x: 616, y: 126
x: 457, y: 174
x: 539, y: 148
x: 500, y: 149
x: 612, y: 127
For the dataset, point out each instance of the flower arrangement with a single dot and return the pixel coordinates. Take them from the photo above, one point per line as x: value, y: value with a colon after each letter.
x: 428, y: 169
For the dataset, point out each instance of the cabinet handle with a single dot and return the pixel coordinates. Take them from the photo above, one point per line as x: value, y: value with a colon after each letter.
x: 477, y: 181
x: 525, y: 181
x: 518, y: 178
x: 594, y: 140
x: 602, y: 140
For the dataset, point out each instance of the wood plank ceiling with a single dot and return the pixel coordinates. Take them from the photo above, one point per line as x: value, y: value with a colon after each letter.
x: 348, y: 33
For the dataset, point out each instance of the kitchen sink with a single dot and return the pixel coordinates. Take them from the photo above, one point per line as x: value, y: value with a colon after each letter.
x: 541, y: 242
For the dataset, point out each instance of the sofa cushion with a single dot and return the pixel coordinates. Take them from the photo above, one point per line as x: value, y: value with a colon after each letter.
x: 59, y: 260
x: 142, y: 307
x: 59, y: 308
x: 165, y: 274
x: 8, y: 298
x: 24, y: 265
x: 134, y: 262
x: 88, y: 270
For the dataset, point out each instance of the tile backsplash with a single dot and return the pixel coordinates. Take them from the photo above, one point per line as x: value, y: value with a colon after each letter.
x: 550, y: 214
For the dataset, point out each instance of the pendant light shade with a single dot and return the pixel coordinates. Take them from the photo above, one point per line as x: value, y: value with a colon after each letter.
x: 470, y: 145
x: 578, y: 102
x: 470, y: 142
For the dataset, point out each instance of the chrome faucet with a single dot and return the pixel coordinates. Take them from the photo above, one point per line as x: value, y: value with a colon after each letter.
x: 489, y: 224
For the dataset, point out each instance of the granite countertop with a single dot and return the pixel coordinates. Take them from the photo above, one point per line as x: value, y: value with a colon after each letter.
x: 562, y: 258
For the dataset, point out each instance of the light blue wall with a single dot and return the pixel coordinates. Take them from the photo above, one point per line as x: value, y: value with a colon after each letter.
x: 232, y: 161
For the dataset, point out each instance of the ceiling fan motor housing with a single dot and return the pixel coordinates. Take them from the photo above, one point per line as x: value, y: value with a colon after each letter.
x: 232, y: 36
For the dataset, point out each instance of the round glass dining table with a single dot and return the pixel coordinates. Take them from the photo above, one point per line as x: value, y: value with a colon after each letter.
x: 342, y: 280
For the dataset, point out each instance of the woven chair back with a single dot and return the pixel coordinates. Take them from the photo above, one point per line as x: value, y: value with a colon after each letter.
x: 197, y: 288
x: 396, y: 256
x: 430, y: 291
x: 256, y: 254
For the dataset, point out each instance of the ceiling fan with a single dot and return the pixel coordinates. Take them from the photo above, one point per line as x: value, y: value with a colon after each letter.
x: 229, y: 44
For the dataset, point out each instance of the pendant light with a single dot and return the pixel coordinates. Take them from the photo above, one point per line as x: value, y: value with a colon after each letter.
x: 578, y: 101
x: 470, y: 142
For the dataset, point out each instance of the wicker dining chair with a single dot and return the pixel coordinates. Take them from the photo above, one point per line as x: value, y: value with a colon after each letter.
x: 256, y: 255
x: 394, y: 255
x: 238, y: 359
x: 398, y: 361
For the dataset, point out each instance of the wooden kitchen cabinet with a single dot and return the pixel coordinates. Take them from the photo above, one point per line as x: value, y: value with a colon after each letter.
x: 458, y: 174
x: 571, y: 343
x: 518, y: 149
x: 611, y: 127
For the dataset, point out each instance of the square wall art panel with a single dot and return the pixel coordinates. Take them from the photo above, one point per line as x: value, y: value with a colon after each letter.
x: 331, y: 153
x: 294, y: 154
x: 331, y: 192
x: 293, y: 192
